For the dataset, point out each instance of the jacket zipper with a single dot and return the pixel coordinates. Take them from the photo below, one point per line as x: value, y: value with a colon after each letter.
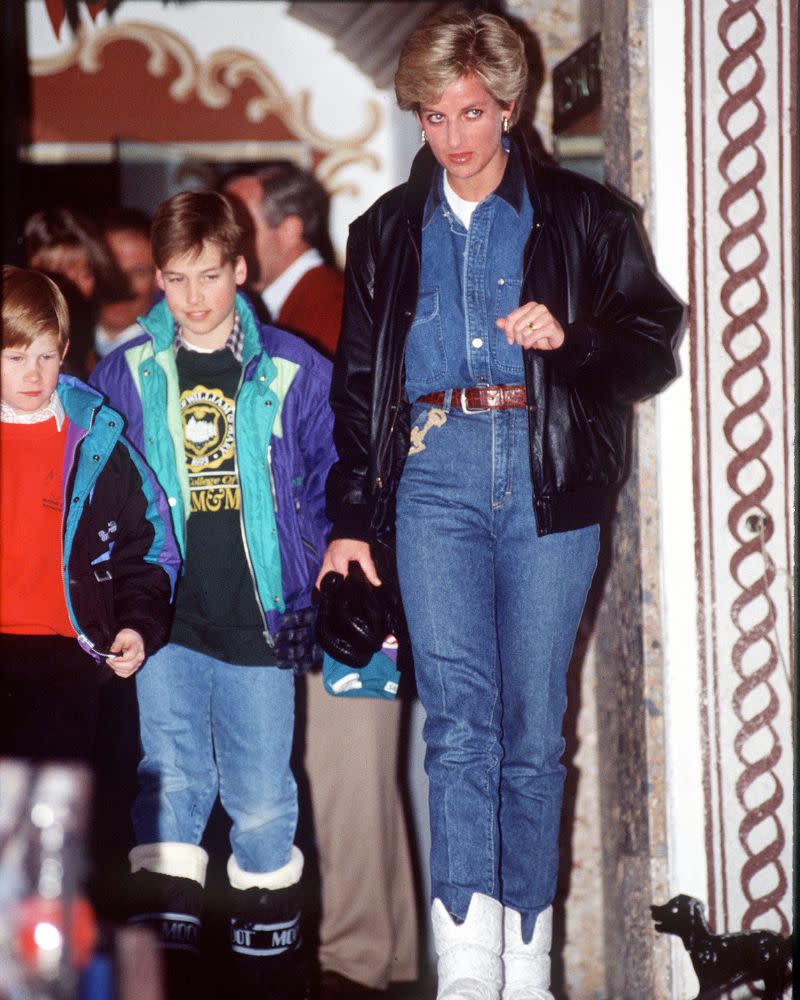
x: 272, y: 487
x: 83, y: 640
x: 267, y: 634
x: 537, y: 228
x: 384, y: 449
x: 537, y: 503
x: 65, y: 574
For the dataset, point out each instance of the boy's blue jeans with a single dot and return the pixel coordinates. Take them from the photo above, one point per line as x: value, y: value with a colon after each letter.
x: 207, y: 727
x: 492, y: 610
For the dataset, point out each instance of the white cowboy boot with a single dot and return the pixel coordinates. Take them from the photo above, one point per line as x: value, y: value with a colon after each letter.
x: 469, y: 966
x: 527, y: 966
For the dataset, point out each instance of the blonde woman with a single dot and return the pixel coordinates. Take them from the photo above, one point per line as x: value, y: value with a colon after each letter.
x: 499, y: 319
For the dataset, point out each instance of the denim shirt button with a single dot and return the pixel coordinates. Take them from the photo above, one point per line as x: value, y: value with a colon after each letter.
x: 468, y: 278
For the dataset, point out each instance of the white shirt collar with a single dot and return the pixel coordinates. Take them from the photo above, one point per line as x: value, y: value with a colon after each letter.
x: 103, y: 344
x: 54, y: 408
x: 278, y: 292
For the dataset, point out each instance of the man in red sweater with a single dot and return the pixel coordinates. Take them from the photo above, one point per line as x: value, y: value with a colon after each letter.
x: 368, y: 929
x: 286, y: 214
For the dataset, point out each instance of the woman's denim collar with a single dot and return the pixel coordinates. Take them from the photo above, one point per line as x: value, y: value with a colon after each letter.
x: 511, y: 188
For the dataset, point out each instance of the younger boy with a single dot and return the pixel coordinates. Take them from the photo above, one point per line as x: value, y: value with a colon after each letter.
x: 88, y: 556
x: 234, y: 419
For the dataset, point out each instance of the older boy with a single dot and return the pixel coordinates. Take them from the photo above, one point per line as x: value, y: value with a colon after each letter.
x: 233, y: 416
x: 368, y: 926
x: 88, y: 556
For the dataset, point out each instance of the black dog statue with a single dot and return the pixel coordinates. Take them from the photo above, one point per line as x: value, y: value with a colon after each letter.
x: 722, y: 961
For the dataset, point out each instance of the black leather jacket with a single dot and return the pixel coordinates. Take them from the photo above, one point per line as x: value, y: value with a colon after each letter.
x: 587, y: 262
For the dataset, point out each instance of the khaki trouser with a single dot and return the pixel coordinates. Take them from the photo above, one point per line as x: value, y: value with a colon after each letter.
x: 368, y: 931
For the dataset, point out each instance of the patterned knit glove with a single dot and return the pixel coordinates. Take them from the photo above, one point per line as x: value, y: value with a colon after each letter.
x: 296, y: 646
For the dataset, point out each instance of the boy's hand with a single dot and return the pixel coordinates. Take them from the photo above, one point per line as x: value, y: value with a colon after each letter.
x: 128, y: 647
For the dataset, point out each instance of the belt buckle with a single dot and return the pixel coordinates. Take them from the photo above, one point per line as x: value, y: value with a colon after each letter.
x: 462, y: 395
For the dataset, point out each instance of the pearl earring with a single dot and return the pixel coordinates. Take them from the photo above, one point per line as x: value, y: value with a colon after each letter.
x: 505, y: 126
x: 422, y: 137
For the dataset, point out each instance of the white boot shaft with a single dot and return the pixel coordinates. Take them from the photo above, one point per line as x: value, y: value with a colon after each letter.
x: 470, y: 965
x: 526, y: 967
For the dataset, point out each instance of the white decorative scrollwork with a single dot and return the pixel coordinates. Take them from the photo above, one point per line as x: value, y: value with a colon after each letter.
x: 214, y: 82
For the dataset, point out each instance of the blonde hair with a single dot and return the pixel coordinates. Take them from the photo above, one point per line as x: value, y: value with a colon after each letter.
x: 448, y: 46
x: 33, y: 306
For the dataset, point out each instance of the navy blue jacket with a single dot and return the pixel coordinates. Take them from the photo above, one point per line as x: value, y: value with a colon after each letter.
x: 120, y: 558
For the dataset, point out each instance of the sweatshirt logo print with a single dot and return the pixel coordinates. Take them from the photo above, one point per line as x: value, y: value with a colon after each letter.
x: 209, y: 444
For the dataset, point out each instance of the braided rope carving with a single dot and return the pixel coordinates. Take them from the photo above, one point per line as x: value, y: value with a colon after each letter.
x: 747, y: 430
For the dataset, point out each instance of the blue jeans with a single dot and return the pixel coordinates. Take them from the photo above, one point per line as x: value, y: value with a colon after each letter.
x: 211, y: 727
x: 492, y: 610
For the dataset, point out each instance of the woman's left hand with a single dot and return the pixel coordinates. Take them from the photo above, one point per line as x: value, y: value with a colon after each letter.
x: 532, y: 325
x: 129, y: 648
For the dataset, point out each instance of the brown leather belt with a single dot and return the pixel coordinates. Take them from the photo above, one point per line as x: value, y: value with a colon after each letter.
x: 481, y: 397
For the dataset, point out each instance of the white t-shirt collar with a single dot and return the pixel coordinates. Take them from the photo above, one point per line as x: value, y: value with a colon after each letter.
x: 463, y: 209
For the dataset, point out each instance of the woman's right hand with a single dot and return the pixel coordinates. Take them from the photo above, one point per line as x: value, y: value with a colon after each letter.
x: 341, y: 552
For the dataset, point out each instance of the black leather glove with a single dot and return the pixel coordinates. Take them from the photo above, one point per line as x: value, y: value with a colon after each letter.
x: 352, y: 620
x: 296, y: 646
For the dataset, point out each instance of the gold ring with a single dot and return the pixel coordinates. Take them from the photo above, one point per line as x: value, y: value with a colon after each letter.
x: 531, y: 326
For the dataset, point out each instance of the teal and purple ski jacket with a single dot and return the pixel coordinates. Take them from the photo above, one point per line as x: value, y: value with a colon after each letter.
x: 284, y: 445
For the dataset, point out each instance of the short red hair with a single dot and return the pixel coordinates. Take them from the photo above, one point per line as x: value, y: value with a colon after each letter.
x: 33, y: 306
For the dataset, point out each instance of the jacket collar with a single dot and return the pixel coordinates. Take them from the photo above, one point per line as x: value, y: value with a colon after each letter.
x: 250, y: 329
x: 80, y: 401
x: 424, y: 172
x: 531, y: 172
x: 160, y: 326
x: 159, y: 323
x: 511, y: 187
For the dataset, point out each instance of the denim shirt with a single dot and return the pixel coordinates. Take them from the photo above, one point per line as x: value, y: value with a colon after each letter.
x: 469, y: 278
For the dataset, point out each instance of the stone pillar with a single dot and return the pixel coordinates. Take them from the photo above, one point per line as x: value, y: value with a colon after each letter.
x: 732, y: 548
x: 742, y: 62
x: 628, y: 627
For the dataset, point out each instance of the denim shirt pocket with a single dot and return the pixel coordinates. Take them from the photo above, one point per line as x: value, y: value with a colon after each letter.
x: 425, y: 359
x: 506, y: 358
